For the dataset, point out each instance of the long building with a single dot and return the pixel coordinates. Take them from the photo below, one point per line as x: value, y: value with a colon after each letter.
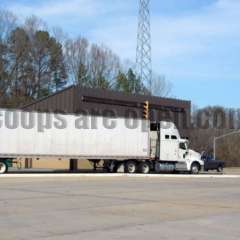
x: 77, y: 100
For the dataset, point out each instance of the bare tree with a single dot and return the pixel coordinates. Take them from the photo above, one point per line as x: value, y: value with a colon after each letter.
x: 160, y: 86
x: 59, y: 34
x: 33, y: 24
x: 228, y: 149
x: 8, y: 22
x: 212, y: 122
x: 20, y: 62
x: 91, y: 65
x: 76, y: 54
x: 157, y: 86
x: 104, y: 66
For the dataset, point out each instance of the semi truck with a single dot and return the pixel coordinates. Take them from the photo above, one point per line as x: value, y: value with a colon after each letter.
x: 136, y: 145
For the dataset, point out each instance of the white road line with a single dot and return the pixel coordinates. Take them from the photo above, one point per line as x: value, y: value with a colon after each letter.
x: 65, y: 175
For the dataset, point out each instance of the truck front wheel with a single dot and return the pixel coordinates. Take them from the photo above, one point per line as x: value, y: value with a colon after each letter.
x: 3, y: 168
x: 195, y: 168
x: 130, y: 167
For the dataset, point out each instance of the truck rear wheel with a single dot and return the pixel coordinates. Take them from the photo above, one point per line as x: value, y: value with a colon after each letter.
x: 195, y: 168
x: 3, y: 168
x: 130, y: 167
x: 144, y: 168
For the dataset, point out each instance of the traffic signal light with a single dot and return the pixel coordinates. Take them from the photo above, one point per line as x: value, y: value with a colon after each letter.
x: 146, y: 110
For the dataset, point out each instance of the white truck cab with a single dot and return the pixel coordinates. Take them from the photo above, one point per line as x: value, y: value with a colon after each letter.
x: 174, y: 153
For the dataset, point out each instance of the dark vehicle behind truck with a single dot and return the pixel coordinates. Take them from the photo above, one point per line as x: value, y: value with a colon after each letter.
x: 212, y: 164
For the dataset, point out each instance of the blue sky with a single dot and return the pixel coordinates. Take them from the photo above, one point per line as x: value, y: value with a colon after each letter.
x: 196, y: 43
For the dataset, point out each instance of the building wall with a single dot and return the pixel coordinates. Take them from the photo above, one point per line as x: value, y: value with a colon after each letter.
x: 76, y: 100
x: 52, y: 163
x: 61, y: 102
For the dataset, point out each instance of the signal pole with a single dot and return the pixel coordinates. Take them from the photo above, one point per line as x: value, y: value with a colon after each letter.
x: 144, y: 49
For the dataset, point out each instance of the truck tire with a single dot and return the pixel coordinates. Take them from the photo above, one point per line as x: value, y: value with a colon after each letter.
x: 3, y: 168
x: 220, y: 169
x: 130, y: 167
x: 195, y: 168
x: 144, y: 168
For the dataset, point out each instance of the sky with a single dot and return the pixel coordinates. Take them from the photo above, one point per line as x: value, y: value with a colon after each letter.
x: 195, y: 43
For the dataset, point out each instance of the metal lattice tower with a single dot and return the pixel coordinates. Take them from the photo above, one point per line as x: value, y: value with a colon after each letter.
x: 144, y: 50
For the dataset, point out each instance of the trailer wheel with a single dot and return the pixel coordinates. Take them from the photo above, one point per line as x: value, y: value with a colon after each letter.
x: 3, y: 168
x: 144, y: 168
x: 195, y: 168
x: 130, y: 167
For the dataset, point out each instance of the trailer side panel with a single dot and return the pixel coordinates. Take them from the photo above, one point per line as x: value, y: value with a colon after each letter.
x: 73, y: 136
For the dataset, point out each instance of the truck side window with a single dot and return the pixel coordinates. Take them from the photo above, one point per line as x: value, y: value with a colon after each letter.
x: 174, y: 137
x: 167, y: 137
x: 182, y: 146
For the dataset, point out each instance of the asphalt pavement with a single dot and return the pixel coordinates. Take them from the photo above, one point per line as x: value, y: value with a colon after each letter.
x: 119, y: 207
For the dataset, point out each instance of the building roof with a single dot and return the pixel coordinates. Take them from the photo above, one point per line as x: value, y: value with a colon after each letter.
x: 72, y: 96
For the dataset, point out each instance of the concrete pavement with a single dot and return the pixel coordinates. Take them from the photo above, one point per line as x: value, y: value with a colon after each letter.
x: 115, y: 175
x: 119, y: 208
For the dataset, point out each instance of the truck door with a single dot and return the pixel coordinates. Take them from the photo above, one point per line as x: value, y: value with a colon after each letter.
x: 183, y: 146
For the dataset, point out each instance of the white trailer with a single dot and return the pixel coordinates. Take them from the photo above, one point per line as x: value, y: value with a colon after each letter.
x: 135, y: 144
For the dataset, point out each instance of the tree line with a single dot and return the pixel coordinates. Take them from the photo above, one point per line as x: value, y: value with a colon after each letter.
x: 210, y: 122
x: 36, y: 61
